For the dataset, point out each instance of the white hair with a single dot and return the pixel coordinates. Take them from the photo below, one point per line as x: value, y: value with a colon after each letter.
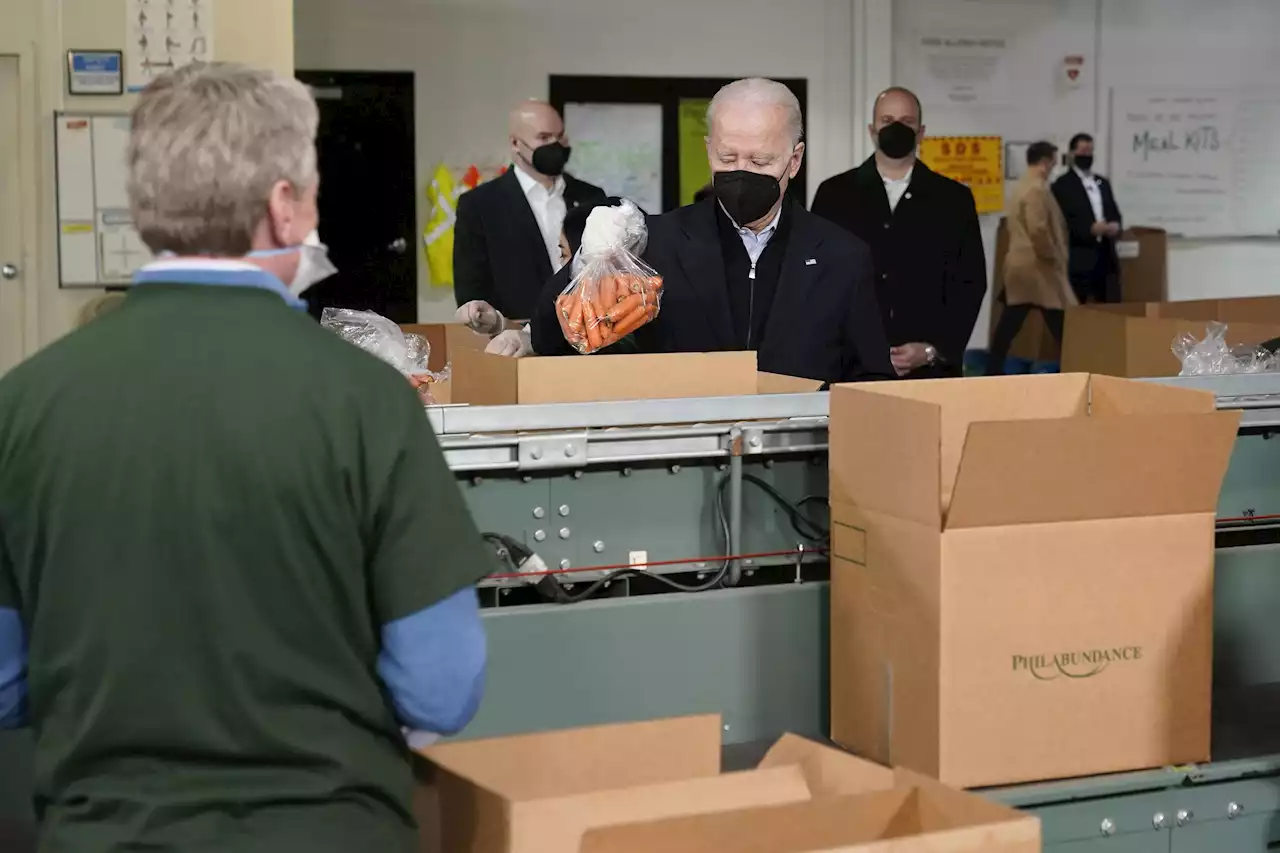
x: 761, y: 91
x: 207, y: 144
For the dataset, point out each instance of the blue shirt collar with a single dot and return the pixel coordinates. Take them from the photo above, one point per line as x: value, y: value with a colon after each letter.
x: 214, y: 273
x: 754, y: 243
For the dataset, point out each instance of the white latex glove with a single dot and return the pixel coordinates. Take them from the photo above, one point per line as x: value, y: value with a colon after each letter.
x: 516, y: 343
x: 481, y: 317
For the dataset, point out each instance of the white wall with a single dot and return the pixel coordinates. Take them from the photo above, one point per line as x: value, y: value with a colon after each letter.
x: 1025, y: 101
x: 475, y: 58
x: 1229, y: 44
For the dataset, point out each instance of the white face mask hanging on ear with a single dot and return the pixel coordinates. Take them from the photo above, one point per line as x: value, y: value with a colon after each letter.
x: 314, y: 265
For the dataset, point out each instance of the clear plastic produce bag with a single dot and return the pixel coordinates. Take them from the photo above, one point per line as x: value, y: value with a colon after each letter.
x: 613, y: 292
x: 375, y: 334
x: 1213, y: 356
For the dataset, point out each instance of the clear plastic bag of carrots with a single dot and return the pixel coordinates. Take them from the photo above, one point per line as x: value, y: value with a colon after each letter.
x: 613, y: 292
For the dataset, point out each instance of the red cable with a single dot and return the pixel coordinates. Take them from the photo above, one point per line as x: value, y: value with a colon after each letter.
x: 689, y: 561
x: 767, y: 554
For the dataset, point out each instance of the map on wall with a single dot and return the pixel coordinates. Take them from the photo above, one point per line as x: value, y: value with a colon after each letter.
x: 164, y: 35
x: 618, y: 147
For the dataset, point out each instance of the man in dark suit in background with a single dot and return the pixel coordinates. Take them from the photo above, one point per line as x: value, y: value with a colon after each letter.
x: 507, y: 235
x: 748, y: 269
x: 1093, y: 224
x: 930, y: 270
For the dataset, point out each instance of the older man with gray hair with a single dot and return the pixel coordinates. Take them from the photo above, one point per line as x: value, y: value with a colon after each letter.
x: 226, y: 590
x: 748, y: 268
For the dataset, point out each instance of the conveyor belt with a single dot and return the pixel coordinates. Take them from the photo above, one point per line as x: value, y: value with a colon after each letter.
x: 577, y: 435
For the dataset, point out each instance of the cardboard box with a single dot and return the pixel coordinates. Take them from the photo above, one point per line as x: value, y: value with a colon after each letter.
x: 483, y: 379
x: 1136, y: 339
x: 543, y: 793
x: 918, y: 816
x: 1144, y: 277
x: 446, y: 339
x: 1022, y: 574
x: 1144, y: 264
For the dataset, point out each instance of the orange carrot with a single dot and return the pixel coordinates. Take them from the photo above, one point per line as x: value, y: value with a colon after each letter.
x: 592, y: 322
x: 631, y: 322
x: 608, y: 289
x: 624, y: 308
x: 571, y: 307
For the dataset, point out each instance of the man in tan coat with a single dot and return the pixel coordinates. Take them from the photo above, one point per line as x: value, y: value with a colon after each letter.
x: 1035, y: 267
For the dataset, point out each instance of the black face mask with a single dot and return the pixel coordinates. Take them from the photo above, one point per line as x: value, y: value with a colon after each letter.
x: 550, y: 159
x: 896, y: 140
x: 1084, y: 161
x: 747, y: 196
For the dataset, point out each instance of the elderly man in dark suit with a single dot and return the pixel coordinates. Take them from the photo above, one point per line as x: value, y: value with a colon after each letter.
x: 1093, y: 224
x: 507, y: 235
x: 748, y: 269
x: 930, y: 270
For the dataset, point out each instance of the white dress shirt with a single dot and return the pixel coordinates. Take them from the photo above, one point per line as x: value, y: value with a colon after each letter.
x: 1094, y: 192
x: 548, y: 208
x: 896, y: 188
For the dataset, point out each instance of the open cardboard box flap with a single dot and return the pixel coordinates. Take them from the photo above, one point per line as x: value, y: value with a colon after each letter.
x: 1078, y: 469
x: 539, y: 793
x: 897, y: 820
x: 586, y: 760
x: 1027, y: 449
x: 828, y: 772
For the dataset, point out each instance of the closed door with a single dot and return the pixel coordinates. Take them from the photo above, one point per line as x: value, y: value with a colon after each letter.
x: 12, y: 278
x: 368, y: 210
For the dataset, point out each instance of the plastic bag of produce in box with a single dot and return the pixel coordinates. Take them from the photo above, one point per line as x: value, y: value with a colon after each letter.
x: 377, y: 335
x: 1213, y: 356
x: 613, y: 292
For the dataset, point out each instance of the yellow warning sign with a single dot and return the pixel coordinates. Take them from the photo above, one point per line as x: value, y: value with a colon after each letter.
x: 975, y: 161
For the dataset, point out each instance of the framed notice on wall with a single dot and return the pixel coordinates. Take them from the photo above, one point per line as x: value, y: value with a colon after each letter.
x: 95, y: 72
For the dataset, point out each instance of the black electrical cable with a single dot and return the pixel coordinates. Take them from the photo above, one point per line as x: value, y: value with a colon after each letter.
x: 711, y: 583
x: 805, y: 527
x: 517, y: 553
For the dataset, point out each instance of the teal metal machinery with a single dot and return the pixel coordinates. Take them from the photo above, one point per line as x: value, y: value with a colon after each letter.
x: 599, y: 486
x: 596, y: 488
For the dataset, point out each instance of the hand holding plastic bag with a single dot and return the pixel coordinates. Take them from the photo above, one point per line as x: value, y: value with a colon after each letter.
x: 613, y: 292
x: 375, y: 334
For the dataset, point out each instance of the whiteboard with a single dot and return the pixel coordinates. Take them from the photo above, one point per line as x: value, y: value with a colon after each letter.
x: 97, y: 243
x: 618, y: 147
x: 1196, y: 162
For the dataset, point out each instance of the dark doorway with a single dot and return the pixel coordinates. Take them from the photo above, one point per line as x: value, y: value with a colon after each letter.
x: 368, y: 192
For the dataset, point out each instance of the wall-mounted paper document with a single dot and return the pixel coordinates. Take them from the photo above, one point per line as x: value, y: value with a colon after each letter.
x: 98, y: 245
x: 618, y: 147
x: 165, y: 35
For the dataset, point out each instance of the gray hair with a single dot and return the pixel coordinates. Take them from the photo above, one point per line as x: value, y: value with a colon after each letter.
x: 762, y: 92
x: 208, y: 142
